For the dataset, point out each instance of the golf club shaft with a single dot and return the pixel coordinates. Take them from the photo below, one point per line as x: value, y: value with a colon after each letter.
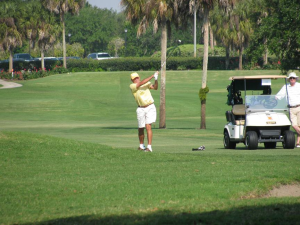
x: 164, y: 62
x: 163, y: 65
x: 169, y: 56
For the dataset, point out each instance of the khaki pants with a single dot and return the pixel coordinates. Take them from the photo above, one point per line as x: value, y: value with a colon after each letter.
x: 295, y: 116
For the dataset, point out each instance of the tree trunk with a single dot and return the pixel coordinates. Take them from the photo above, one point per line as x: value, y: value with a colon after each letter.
x: 266, y: 57
x: 265, y: 52
x: 203, y: 115
x: 11, y: 62
x: 195, y: 32
x: 42, y: 60
x: 227, y: 58
x: 162, y: 111
x: 211, y: 38
x: 64, y: 42
x: 29, y: 46
x: 241, y: 58
x: 205, y: 63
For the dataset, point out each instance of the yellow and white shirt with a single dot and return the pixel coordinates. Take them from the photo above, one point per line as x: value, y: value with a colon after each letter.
x: 142, y: 94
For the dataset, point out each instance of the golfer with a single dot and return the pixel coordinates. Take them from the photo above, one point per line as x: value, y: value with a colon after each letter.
x: 294, y: 102
x: 146, y: 111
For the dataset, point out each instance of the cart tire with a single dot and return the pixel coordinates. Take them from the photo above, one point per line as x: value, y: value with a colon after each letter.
x: 227, y: 143
x: 251, y: 141
x: 288, y: 140
x: 270, y: 145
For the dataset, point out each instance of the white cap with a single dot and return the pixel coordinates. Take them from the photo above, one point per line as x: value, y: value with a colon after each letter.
x: 292, y: 74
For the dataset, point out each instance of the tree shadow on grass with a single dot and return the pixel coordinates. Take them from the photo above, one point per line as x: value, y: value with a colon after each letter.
x: 154, y: 128
x: 259, y: 148
x: 118, y: 128
x: 270, y: 214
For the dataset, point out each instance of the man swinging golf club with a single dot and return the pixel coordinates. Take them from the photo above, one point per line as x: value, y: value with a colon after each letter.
x: 146, y: 111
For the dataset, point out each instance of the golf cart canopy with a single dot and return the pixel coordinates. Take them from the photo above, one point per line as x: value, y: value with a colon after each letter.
x: 257, y: 77
x: 249, y: 83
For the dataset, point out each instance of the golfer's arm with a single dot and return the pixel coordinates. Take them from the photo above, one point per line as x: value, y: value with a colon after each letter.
x: 144, y: 81
x: 155, y: 86
x: 281, y: 94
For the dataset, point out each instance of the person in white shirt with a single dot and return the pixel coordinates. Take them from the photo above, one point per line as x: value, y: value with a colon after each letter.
x: 294, y: 102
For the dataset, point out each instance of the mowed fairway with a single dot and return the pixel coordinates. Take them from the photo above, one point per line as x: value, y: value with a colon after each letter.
x: 68, y: 156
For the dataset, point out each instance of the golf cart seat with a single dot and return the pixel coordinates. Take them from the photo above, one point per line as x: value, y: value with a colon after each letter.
x: 238, y: 110
x: 237, y: 115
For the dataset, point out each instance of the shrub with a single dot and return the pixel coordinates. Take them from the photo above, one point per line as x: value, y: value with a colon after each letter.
x: 60, y: 69
x: 83, y: 65
x: 5, y: 75
x: 148, y: 63
x: 139, y: 63
x: 273, y: 64
x: 23, y: 65
x: 31, y: 74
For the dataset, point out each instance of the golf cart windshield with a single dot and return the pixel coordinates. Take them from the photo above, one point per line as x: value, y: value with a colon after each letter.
x: 258, y: 103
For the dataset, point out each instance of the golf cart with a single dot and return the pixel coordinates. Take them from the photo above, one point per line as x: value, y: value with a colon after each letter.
x: 258, y: 118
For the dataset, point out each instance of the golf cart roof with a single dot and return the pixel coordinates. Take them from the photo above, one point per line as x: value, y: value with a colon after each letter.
x: 243, y: 83
x: 257, y: 77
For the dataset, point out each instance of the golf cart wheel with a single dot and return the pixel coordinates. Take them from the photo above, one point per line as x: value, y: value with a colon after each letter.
x: 270, y: 145
x: 251, y: 141
x: 288, y: 140
x: 227, y: 143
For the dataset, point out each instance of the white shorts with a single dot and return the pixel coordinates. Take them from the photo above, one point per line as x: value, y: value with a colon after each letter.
x: 146, y: 115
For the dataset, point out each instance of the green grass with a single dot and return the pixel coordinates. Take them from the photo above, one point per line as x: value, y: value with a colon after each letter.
x: 68, y: 156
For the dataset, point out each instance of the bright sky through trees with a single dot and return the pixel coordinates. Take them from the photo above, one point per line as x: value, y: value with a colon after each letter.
x: 111, y: 4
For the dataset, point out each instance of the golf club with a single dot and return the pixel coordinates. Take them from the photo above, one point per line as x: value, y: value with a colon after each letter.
x: 178, y: 43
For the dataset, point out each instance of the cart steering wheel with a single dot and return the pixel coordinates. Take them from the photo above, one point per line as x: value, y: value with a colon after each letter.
x: 270, y: 103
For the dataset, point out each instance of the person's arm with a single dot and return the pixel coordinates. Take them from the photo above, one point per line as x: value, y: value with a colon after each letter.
x: 144, y: 81
x: 155, y: 86
x: 281, y: 94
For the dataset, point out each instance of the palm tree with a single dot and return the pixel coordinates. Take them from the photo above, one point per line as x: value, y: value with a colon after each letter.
x: 220, y: 24
x: 47, y: 34
x: 62, y: 7
x: 10, y: 37
x: 205, y: 6
x: 204, y: 89
x: 161, y: 13
x: 243, y: 27
x: 29, y: 20
x: 39, y: 25
x: 260, y: 8
x: 194, y: 5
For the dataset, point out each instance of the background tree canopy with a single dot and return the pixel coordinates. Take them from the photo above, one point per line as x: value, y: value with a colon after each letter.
x: 94, y: 28
x: 275, y: 25
x: 280, y: 28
